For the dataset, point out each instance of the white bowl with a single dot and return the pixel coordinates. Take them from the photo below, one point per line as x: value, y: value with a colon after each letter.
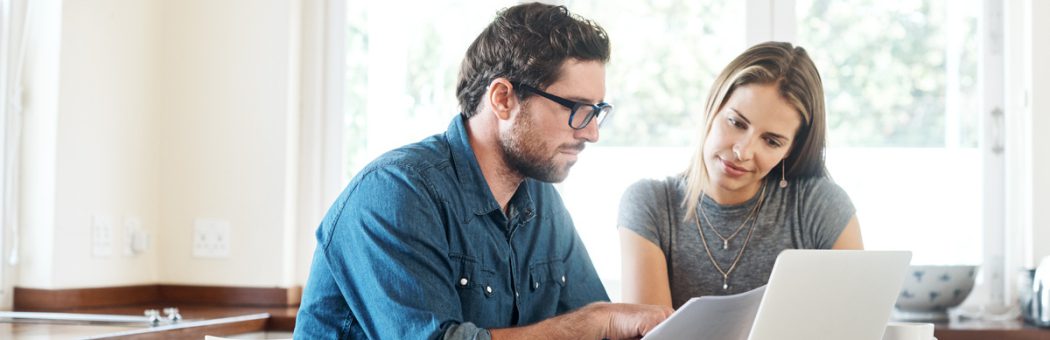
x: 929, y: 291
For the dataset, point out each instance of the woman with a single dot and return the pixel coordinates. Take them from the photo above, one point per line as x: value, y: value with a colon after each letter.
x: 757, y: 185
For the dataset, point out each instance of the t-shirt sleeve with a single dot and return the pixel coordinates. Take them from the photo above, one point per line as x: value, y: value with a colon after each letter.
x: 826, y: 209
x: 643, y: 207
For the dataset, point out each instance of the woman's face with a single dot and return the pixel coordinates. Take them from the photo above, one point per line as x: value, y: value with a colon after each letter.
x: 754, y: 130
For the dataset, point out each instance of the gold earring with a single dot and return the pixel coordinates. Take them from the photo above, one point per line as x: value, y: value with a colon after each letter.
x: 783, y: 182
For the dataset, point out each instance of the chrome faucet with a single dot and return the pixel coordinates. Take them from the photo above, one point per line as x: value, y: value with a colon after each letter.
x: 172, y: 314
x: 153, y: 316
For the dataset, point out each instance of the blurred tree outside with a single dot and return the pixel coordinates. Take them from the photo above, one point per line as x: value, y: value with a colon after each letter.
x: 665, y: 54
x: 401, y: 71
x: 888, y: 79
x: 886, y: 68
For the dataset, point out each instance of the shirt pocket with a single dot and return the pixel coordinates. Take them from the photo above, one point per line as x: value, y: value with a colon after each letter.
x: 474, y: 285
x: 547, y: 279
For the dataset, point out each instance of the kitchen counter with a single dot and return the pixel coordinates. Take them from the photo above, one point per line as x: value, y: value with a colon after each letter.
x: 55, y: 331
x: 982, y: 330
x: 205, y: 310
x: 194, y: 325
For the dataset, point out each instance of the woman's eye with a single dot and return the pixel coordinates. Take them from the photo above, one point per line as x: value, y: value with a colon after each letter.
x: 734, y: 122
x: 773, y: 142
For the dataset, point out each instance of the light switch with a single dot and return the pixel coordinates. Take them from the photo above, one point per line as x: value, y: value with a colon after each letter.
x: 136, y: 240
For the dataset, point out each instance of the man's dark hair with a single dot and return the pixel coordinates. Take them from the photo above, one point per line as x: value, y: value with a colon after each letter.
x: 527, y: 43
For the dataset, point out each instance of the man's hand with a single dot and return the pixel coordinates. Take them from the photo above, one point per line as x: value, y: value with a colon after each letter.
x: 630, y: 321
x: 599, y: 320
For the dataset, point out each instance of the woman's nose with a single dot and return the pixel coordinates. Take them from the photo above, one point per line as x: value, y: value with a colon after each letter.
x: 742, y: 151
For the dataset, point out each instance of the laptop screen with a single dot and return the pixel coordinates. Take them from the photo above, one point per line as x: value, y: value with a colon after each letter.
x: 830, y: 294
x: 811, y: 294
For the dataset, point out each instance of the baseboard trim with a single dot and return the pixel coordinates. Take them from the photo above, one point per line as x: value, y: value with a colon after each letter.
x: 34, y: 299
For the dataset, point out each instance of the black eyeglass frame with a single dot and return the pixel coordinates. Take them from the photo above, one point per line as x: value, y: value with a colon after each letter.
x: 596, y: 109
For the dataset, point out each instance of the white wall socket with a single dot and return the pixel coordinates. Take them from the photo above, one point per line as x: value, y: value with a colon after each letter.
x: 211, y: 238
x: 101, y: 236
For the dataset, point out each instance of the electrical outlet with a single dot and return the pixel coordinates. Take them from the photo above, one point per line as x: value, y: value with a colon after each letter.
x: 211, y: 238
x: 101, y: 236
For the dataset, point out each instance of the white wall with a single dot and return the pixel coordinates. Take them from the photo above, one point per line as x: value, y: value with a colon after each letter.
x: 229, y: 116
x: 107, y: 157
x: 164, y: 111
x: 1040, y: 107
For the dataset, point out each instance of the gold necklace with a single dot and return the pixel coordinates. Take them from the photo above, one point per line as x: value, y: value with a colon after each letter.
x: 703, y: 239
x: 750, y: 214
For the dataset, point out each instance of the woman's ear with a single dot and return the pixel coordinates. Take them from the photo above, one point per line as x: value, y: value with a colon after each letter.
x: 501, y: 98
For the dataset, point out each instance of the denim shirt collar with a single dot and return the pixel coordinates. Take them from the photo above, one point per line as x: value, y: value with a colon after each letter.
x: 472, y: 182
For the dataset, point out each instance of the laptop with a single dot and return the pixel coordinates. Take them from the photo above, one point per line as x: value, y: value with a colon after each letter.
x: 811, y: 295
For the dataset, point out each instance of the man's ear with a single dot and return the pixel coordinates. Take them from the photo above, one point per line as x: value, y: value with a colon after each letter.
x: 501, y: 98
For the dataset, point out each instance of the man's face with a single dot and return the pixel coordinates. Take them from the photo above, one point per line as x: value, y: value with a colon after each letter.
x: 540, y: 144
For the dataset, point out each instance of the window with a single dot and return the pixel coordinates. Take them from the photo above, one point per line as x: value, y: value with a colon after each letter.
x: 665, y: 56
x: 401, y: 69
x: 900, y: 81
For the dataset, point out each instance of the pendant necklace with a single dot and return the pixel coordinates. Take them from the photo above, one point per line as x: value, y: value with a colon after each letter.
x: 740, y: 254
x: 750, y: 214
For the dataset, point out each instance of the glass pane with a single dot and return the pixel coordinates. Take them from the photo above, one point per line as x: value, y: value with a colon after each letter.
x: 401, y: 69
x: 665, y: 54
x: 900, y: 82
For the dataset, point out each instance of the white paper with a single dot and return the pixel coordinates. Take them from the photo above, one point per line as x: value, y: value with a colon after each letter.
x: 727, y: 317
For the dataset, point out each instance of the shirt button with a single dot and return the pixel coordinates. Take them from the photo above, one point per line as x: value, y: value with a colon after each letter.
x: 563, y: 279
x: 463, y: 281
x: 488, y: 289
x: 535, y: 285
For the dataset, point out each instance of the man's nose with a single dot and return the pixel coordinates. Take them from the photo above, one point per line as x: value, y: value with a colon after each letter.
x: 589, y: 133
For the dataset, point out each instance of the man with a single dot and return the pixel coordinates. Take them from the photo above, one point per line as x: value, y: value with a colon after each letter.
x: 462, y: 236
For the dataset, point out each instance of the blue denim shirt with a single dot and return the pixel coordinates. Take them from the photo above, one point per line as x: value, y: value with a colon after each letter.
x: 416, y: 247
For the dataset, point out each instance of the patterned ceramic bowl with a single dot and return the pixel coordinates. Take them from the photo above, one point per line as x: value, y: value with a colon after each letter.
x: 929, y: 291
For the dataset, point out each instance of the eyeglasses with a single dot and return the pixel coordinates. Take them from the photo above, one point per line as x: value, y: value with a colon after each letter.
x: 580, y: 114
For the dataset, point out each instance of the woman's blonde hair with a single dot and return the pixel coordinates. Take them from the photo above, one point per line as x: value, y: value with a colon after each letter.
x: 796, y: 77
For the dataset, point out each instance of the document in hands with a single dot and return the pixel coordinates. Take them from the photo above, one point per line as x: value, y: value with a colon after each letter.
x: 727, y: 317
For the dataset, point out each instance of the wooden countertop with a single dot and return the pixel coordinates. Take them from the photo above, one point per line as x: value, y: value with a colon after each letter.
x: 984, y: 330
x: 195, y: 324
x: 211, y: 310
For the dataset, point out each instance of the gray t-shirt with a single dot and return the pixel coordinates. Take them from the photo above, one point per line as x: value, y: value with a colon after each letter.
x: 808, y: 214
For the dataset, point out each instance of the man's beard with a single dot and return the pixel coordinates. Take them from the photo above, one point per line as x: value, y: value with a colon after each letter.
x: 524, y: 152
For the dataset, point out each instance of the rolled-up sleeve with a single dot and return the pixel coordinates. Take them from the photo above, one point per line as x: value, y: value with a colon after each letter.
x: 467, y: 331
x: 388, y: 256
